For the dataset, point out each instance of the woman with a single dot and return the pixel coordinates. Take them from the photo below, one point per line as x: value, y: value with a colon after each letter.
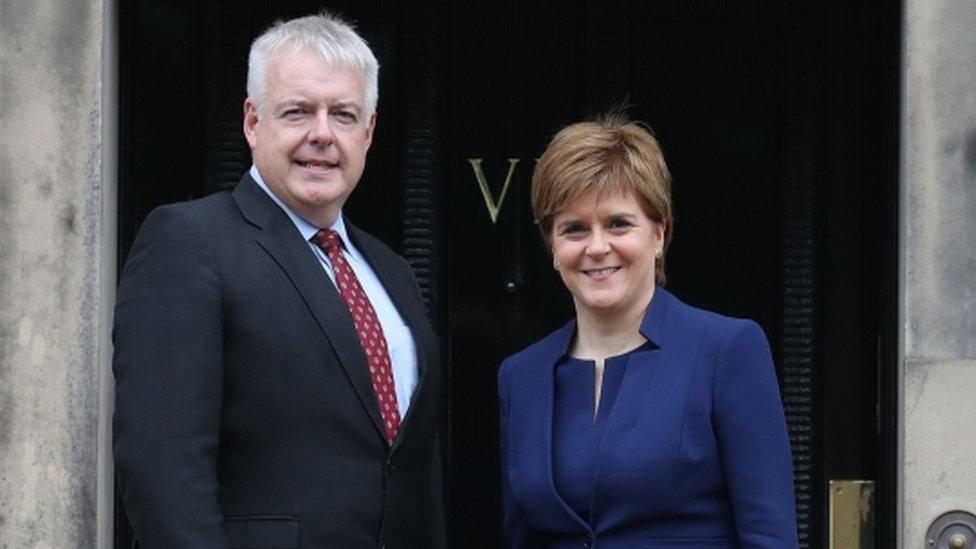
x: 644, y: 422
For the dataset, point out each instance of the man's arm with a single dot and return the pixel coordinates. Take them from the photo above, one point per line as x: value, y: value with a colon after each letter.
x: 168, y: 371
x: 438, y: 522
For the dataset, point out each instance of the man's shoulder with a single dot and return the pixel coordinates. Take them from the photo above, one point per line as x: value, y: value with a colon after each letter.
x: 365, y: 239
x: 204, y: 208
x: 189, y: 224
x: 205, y: 213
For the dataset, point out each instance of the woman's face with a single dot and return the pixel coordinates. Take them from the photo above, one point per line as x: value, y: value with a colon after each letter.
x: 604, y: 245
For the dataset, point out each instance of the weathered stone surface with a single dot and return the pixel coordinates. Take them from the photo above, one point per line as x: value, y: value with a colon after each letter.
x: 938, y: 183
x: 938, y: 473
x: 50, y: 309
x: 939, y: 178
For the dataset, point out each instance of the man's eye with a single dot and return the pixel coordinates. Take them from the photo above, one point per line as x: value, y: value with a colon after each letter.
x: 344, y: 116
x: 293, y: 113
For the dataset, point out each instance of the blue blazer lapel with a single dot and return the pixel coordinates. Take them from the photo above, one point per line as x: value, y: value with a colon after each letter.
x: 650, y: 377
x: 557, y: 346
x: 281, y: 240
x: 638, y: 384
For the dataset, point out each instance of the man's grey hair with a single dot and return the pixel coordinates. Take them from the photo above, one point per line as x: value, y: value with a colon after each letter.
x: 333, y: 38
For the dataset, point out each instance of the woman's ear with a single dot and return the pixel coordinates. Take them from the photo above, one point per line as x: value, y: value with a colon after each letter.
x: 660, y: 231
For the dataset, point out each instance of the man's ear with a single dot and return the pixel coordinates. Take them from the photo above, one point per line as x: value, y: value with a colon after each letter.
x: 251, y: 120
x: 370, y: 126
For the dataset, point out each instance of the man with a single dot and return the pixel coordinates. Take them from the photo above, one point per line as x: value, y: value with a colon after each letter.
x: 277, y: 380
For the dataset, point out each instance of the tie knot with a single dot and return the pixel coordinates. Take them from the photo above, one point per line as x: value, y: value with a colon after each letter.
x: 328, y: 240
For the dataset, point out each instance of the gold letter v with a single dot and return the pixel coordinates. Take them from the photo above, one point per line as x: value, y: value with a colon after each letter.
x: 479, y: 174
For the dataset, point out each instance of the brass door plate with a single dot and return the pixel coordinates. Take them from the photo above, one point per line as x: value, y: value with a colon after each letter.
x: 851, y: 514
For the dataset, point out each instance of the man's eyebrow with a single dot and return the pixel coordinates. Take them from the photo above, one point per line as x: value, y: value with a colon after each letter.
x: 346, y: 105
x: 291, y: 103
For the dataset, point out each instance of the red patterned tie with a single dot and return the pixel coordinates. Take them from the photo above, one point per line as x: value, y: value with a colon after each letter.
x: 367, y: 326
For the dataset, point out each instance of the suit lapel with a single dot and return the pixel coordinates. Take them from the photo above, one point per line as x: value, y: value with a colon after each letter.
x: 398, y: 288
x: 281, y: 240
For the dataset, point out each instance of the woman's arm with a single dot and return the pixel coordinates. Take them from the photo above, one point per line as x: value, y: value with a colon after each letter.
x: 517, y: 531
x: 753, y: 441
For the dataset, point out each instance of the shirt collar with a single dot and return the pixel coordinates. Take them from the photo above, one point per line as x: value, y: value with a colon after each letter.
x: 306, y: 229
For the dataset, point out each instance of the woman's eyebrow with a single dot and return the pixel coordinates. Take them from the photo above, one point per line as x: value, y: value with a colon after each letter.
x: 567, y: 222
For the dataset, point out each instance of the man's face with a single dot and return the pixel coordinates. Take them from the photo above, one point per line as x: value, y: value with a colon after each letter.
x: 310, y: 136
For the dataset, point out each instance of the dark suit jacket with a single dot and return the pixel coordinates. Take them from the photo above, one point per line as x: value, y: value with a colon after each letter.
x: 695, y: 452
x: 245, y: 416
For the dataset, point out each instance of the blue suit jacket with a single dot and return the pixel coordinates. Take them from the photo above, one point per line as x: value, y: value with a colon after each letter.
x: 695, y: 452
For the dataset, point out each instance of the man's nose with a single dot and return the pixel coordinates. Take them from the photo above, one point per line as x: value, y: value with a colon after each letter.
x: 320, y: 133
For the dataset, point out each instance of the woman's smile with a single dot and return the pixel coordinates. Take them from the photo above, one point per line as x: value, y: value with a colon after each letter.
x: 604, y: 244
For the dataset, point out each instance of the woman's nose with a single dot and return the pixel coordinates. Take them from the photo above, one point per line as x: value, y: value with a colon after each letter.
x: 598, y: 244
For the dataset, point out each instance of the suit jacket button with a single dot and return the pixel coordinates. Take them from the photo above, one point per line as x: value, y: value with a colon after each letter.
x: 587, y: 544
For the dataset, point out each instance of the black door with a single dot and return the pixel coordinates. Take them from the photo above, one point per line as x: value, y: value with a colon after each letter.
x: 777, y: 120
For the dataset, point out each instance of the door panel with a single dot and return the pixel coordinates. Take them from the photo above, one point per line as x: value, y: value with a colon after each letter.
x: 777, y: 122
x: 711, y: 84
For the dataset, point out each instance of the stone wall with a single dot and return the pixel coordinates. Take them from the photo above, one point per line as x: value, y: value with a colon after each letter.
x: 938, y: 242
x: 56, y: 247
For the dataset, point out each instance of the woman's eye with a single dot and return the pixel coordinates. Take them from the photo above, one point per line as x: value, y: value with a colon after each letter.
x: 573, y: 229
x: 620, y: 224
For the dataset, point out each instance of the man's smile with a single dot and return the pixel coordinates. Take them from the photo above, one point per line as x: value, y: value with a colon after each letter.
x: 319, y: 165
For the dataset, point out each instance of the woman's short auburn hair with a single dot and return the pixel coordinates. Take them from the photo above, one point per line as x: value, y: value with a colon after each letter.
x: 612, y: 154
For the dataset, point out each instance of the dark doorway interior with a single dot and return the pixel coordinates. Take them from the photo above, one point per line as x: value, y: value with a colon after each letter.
x: 778, y: 121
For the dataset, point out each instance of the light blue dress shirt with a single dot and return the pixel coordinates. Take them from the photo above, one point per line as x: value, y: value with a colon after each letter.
x: 399, y: 339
